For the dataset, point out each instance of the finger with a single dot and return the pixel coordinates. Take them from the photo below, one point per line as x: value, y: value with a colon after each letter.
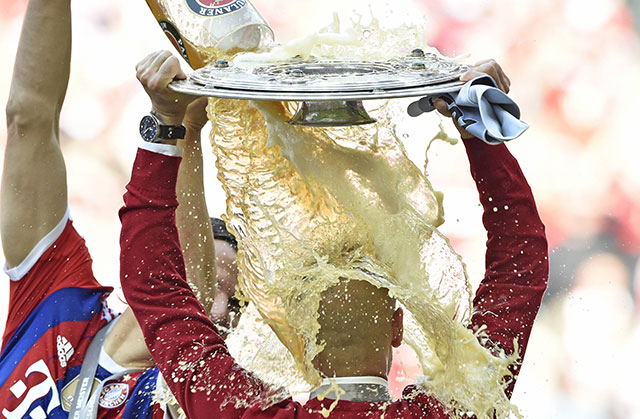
x: 502, y: 77
x: 143, y: 65
x: 506, y: 82
x: 441, y: 106
x: 158, y: 61
x: 180, y: 74
x: 502, y: 81
x: 490, y: 69
x: 146, y: 60
x: 170, y: 70
x: 164, y: 75
x: 148, y: 72
x: 483, y: 62
x: 470, y: 75
x: 493, y: 69
x: 150, y: 69
x: 151, y: 59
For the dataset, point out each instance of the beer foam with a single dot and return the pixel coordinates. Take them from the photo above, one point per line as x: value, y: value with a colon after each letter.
x: 345, y: 41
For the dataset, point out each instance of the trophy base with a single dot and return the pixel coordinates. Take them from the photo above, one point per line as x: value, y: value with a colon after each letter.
x: 331, y: 114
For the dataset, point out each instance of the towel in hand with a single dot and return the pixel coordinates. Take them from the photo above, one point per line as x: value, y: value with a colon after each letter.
x: 482, y: 109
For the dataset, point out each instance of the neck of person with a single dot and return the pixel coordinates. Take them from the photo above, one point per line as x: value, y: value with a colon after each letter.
x: 125, y: 343
x: 349, y: 362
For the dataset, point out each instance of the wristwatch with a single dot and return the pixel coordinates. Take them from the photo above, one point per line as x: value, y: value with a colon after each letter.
x: 153, y: 130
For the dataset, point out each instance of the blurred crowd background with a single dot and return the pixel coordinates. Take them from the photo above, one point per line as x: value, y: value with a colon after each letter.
x: 575, y: 71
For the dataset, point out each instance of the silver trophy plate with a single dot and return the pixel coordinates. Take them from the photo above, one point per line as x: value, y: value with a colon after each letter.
x: 332, y: 91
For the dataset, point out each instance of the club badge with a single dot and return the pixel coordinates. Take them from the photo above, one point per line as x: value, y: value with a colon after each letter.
x: 113, y: 395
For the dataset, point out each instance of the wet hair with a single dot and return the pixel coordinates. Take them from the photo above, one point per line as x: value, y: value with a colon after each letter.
x: 220, y: 232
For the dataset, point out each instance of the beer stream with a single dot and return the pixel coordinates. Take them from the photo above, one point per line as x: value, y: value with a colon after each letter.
x: 313, y: 205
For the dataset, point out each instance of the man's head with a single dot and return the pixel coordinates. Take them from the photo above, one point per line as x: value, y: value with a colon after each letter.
x: 359, y: 326
x: 226, y: 308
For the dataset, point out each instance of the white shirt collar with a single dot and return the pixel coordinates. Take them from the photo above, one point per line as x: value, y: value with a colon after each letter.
x: 355, y: 389
x: 365, y: 379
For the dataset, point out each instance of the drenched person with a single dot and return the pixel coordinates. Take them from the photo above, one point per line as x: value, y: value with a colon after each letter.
x: 56, y: 306
x: 360, y: 325
x: 225, y: 308
x: 359, y: 336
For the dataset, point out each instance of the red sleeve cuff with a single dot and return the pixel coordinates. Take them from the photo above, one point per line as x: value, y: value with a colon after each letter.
x: 155, y: 171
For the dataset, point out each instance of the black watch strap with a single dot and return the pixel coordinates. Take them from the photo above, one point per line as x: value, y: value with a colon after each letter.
x: 171, y: 132
x: 153, y: 130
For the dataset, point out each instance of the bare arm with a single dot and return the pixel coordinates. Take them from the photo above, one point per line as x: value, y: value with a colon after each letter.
x: 34, y: 188
x: 192, y: 216
x: 34, y: 185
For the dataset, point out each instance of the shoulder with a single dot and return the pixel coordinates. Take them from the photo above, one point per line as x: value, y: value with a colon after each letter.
x: 54, y: 284
x: 418, y: 403
x: 63, y: 230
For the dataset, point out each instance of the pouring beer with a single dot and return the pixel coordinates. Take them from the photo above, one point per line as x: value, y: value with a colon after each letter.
x: 204, y: 30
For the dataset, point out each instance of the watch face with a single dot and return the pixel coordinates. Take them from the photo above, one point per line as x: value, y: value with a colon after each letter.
x: 148, y: 128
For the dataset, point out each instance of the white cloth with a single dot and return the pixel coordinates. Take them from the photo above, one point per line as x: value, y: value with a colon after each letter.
x: 479, y: 107
x: 160, y: 148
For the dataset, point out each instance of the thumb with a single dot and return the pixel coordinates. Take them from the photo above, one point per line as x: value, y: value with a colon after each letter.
x: 441, y: 106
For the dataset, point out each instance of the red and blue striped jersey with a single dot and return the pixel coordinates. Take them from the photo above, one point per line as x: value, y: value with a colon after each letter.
x: 56, y: 306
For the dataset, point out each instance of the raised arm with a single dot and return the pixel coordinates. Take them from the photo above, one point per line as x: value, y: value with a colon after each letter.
x: 192, y: 215
x: 183, y: 341
x: 517, y: 265
x: 34, y: 187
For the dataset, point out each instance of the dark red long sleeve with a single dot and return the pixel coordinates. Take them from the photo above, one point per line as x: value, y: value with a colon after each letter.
x: 183, y: 341
x: 517, y: 267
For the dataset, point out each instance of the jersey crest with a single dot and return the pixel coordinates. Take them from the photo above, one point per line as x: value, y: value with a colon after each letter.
x: 113, y: 395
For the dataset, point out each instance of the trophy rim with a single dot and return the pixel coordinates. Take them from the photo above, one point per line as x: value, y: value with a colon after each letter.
x: 325, y: 79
